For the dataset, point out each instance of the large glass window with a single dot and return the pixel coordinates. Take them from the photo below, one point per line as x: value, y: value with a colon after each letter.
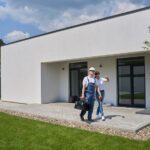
x: 125, y: 90
x: 139, y: 90
x: 124, y: 70
x: 74, y: 81
x: 131, y: 82
x: 138, y: 70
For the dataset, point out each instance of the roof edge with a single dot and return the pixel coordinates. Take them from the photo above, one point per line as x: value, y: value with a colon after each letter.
x: 82, y: 24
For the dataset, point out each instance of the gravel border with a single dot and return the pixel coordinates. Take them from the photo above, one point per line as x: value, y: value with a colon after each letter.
x: 143, y: 134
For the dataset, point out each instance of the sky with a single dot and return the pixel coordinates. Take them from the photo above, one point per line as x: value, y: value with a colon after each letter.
x: 21, y: 19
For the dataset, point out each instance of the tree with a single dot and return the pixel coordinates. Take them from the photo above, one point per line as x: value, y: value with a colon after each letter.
x: 147, y: 43
x: 1, y: 42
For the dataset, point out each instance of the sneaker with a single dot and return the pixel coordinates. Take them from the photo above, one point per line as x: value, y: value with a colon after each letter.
x: 82, y: 118
x: 90, y: 120
x: 103, y: 118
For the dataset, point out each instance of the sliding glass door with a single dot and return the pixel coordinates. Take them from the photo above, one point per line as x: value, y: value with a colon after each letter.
x: 131, y: 82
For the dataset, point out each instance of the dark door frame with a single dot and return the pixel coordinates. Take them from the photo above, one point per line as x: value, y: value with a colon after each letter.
x: 132, y: 81
x: 78, y: 69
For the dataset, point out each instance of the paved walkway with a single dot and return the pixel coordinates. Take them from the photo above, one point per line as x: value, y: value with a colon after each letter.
x: 116, y: 117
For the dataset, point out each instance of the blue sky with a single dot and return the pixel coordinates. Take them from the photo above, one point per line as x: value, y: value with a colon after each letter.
x: 24, y: 18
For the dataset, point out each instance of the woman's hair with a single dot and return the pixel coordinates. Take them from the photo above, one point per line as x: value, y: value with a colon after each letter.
x: 97, y: 73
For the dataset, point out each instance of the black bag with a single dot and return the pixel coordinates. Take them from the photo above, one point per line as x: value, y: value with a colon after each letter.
x: 86, y: 106
x: 82, y: 104
x: 79, y: 105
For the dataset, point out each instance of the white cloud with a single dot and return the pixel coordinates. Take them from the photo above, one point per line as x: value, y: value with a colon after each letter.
x: 3, y: 12
x: 22, y: 14
x: 124, y: 6
x: 16, y: 35
x: 49, y: 14
x: 91, y: 12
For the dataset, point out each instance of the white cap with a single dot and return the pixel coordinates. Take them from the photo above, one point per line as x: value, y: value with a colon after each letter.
x: 91, y: 69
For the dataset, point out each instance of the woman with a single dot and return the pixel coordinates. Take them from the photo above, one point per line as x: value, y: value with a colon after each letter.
x: 100, y: 82
x: 88, y: 92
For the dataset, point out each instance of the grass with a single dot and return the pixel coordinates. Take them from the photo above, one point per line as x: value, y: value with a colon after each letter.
x: 24, y: 134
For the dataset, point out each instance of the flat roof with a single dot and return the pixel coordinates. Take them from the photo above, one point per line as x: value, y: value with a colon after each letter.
x: 82, y: 24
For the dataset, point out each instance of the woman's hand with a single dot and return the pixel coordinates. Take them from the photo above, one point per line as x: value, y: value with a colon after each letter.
x: 107, y: 79
x: 100, y: 98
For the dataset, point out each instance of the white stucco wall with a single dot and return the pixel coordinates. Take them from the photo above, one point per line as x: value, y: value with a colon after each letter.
x: 20, y: 80
x: 49, y: 82
x: 64, y: 90
x: 21, y: 62
x: 54, y: 82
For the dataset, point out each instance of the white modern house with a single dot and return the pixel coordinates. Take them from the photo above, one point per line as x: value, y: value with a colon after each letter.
x: 50, y: 67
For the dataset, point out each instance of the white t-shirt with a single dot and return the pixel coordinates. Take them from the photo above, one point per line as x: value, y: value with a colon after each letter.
x: 88, y: 79
x: 100, y: 83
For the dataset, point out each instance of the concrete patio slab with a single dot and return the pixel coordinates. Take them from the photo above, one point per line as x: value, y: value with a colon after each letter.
x: 121, y: 118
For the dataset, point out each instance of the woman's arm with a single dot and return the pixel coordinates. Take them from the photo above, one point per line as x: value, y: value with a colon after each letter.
x: 99, y: 93
x: 105, y: 79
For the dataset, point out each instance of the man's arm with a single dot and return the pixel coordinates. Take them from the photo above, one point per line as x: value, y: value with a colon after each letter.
x: 83, y: 91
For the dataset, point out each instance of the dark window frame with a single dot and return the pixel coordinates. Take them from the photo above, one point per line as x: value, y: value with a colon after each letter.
x: 78, y: 69
x: 131, y: 75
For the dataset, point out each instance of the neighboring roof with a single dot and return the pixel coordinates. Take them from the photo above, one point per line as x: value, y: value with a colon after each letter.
x: 82, y: 24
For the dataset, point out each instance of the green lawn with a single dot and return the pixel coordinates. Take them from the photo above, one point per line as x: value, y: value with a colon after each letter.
x: 23, y: 134
x: 136, y: 96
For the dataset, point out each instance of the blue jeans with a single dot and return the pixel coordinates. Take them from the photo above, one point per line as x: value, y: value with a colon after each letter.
x: 100, y: 104
x: 90, y: 99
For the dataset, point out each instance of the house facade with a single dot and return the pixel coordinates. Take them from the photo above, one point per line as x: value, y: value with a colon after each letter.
x: 50, y: 67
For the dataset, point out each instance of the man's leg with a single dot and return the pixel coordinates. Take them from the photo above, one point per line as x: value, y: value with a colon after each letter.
x: 91, y: 105
x: 83, y: 112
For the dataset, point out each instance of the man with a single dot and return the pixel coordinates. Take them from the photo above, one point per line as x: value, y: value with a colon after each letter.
x: 100, y: 82
x: 88, y: 92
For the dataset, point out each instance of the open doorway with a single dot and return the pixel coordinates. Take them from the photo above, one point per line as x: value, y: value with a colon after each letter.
x: 77, y: 72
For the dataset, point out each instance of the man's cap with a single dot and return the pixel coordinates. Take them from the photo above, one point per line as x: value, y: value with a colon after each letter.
x: 91, y: 69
